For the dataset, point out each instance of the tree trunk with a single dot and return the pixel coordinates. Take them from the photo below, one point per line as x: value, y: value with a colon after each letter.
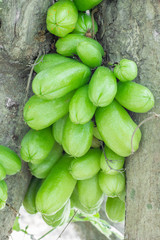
x: 131, y: 29
x: 22, y: 36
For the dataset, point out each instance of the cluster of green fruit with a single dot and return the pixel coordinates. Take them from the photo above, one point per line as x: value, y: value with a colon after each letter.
x: 78, y: 112
x: 67, y: 96
x: 10, y: 164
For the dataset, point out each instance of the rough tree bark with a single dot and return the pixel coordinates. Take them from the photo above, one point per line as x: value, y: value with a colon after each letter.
x: 22, y: 36
x: 131, y: 29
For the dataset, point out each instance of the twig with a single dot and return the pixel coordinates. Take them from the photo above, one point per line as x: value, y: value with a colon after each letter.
x: 67, y: 225
x: 13, y: 209
x: 46, y: 233
x: 155, y: 115
x: 93, y: 12
x: 30, y: 76
x: 107, y: 161
x: 41, y: 60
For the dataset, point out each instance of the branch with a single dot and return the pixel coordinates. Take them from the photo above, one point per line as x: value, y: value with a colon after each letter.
x: 155, y: 115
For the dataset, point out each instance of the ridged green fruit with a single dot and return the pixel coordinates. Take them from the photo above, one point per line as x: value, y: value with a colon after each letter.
x: 135, y: 97
x: 86, y: 166
x: 29, y: 199
x: 9, y: 161
x: 42, y: 170
x: 113, y: 160
x: 76, y: 204
x: 59, y: 218
x: 81, y: 109
x: 97, y: 134
x: 90, y: 194
x: 96, y: 143
x: 89, y: 54
x: 67, y: 46
x: 116, y: 128
x: 77, y: 138
x: 126, y: 70
x: 58, y: 128
x: 122, y: 195
x: 115, y: 209
x: 39, y: 113
x: 62, y: 17
x: 84, y: 25
x: 102, y: 87
x: 36, y: 145
x: 3, y: 194
x: 83, y: 5
x: 112, y: 185
x: 2, y: 172
x: 56, y: 189
x: 50, y: 60
x: 55, y: 82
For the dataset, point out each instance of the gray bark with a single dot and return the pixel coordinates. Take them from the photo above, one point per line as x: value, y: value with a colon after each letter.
x: 131, y: 29
x: 22, y: 36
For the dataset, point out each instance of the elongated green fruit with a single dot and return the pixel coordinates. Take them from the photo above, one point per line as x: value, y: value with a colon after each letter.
x: 77, y: 138
x: 9, y: 161
x: 84, y: 25
x: 97, y: 134
x: 42, y: 170
x: 29, y: 199
x: 2, y: 172
x: 112, y: 185
x: 67, y: 46
x: 86, y: 166
x: 102, y: 87
x: 115, y: 209
x: 57, y: 81
x: 135, y: 97
x: 81, y: 109
x: 83, y: 5
x: 90, y: 194
x: 89, y: 54
x: 36, y: 145
x: 122, y: 195
x: 39, y: 113
x: 116, y: 128
x: 62, y: 17
x: 59, y: 218
x: 56, y: 188
x: 76, y: 204
x: 58, y: 128
x: 112, y: 162
x: 126, y: 70
x: 3, y: 194
x: 96, y: 143
x: 50, y: 60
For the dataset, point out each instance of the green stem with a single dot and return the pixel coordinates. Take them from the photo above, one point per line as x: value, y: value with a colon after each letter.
x: 67, y: 225
x: 46, y: 234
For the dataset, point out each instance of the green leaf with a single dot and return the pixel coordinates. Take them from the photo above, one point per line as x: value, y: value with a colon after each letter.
x: 16, y: 226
